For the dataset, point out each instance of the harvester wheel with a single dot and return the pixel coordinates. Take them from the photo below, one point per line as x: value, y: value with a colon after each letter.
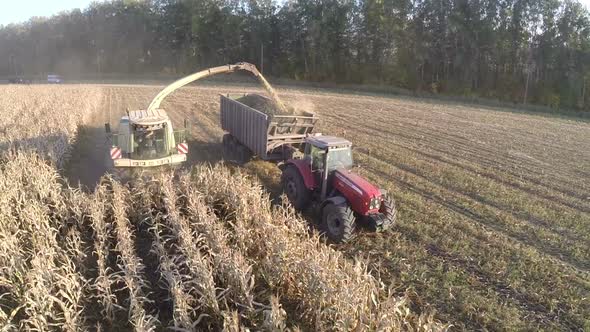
x: 389, y: 211
x: 294, y: 188
x: 338, y: 222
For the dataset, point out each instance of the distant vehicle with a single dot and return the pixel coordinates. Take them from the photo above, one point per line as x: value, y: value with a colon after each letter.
x: 18, y: 80
x: 54, y: 79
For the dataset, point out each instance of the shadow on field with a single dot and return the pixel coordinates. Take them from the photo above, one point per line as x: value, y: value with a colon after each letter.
x: 39, y: 143
x: 89, y: 158
x: 204, y: 152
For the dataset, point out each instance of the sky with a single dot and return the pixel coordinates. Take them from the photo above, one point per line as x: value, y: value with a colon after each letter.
x: 21, y: 10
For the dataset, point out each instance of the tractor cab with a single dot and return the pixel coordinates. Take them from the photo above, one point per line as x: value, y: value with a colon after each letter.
x: 326, y: 154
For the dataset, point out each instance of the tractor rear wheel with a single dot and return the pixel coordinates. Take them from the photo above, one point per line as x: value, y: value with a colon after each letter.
x: 294, y: 187
x: 389, y: 211
x: 338, y: 222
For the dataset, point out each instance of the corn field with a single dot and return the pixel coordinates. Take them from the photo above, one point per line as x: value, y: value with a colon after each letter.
x: 197, y: 249
x: 45, y: 119
x: 224, y: 258
x: 492, y: 234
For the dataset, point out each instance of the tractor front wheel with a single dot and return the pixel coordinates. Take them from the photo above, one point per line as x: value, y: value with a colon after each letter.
x: 389, y: 211
x: 294, y: 188
x: 338, y: 222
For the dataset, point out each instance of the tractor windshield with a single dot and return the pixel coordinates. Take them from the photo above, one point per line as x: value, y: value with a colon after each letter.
x: 339, y: 158
x: 149, y: 143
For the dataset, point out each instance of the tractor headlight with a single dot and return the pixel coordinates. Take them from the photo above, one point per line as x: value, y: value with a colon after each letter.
x: 375, y: 203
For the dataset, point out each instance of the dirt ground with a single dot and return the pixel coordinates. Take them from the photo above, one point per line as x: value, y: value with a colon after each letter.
x: 494, y: 225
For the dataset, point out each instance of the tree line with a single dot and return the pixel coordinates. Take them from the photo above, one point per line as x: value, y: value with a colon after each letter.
x: 524, y: 51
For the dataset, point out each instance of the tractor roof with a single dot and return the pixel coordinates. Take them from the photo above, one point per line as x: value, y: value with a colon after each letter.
x: 327, y: 141
x: 148, y: 117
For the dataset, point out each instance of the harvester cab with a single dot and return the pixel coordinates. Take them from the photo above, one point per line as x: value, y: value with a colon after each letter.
x: 146, y: 138
x: 324, y: 179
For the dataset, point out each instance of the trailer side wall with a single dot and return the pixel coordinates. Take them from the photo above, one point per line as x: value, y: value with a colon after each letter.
x: 246, y: 124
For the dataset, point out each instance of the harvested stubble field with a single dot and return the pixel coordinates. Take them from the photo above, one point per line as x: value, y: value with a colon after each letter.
x: 493, y: 231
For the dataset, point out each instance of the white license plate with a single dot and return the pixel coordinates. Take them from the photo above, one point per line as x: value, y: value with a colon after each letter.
x: 148, y: 163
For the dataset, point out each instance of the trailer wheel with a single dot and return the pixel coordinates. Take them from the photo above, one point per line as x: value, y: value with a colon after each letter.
x: 389, y: 211
x: 243, y: 154
x: 227, y: 147
x: 294, y: 188
x: 338, y: 222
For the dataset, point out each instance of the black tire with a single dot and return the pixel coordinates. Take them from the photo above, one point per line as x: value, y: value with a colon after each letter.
x: 338, y: 222
x: 243, y: 154
x: 294, y: 187
x: 226, y: 142
x: 389, y: 211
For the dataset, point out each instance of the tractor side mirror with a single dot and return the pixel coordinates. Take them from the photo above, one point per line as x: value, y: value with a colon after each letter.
x: 187, y: 127
x: 107, y: 128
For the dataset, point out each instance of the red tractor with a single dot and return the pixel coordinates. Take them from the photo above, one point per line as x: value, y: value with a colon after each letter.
x: 316, y: 170
x: 324, y: 179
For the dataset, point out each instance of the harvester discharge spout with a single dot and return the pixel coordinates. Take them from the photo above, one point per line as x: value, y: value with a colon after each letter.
x: 155, y: 104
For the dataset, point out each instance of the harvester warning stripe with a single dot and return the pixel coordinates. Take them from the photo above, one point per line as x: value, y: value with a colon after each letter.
x: 182, y: 148
x: 115, y: 153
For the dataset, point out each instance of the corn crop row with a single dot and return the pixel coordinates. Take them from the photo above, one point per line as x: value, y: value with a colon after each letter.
x: 230, y: 265
x: 190, y: 246
x: 172, y: 264
x: 232, y: 272
x: 178, y: 283
x: 130, y: 265
x: 42, y: 277
x: 105, y: 280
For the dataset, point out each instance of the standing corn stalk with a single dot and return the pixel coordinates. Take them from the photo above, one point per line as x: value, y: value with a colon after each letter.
x: 129, y: 263
x: 47, y: 286
x: 102, y: 248
x: 190, y: 245
x: 172, y: 264
x: 230, y: 264
x: 183, y: 302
